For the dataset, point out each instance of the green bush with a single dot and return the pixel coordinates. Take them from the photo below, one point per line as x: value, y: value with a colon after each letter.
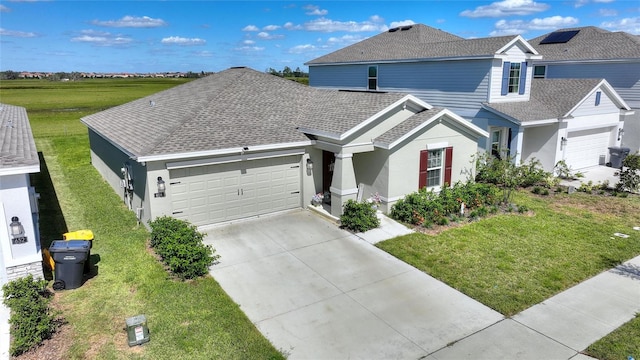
x: 630, y: 174
x: 359, y: 216
x: 180, y: 246
x: 31, y: 321
x: 427, y: 207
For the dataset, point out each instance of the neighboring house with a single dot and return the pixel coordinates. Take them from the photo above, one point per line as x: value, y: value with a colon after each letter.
x: 463, y: 75
x: 19, y: 235
x: 591, y: 52
x: 241, y: 143
x: 575, y: 120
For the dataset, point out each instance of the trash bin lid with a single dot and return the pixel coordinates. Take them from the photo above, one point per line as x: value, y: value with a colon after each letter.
x: 136, y: 320
x: 78, y: 235
x: 70, y: 245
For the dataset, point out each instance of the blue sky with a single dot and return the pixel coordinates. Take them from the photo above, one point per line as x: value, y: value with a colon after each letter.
x: 158, y: 36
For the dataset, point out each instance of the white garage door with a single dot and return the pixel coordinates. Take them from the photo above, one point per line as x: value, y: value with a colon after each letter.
x: 215, y: 193
x: 587, y: 148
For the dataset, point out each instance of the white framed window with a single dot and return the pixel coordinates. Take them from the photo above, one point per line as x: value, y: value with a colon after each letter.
x: 373, y: 77
x: 514, y: 78
x: 539, y: 71
x: 434, y: 168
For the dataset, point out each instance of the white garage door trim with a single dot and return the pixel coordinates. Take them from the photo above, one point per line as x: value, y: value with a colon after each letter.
x: 222, y: 192
x: 587, y: 148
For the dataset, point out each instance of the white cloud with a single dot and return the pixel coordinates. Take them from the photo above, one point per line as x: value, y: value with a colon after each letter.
x: 266, y: 36
x: 301, y: 49
x: 177, y: 40
x: 630, y: 25
x: 506, y: 8
x: 607, y: 12
x: 204, y: 53
x: 248, y: 42
x: 4, y: 8
x: 513, y: 27
x: 99, y: 38
x: 132, y: 21
x: 315, y: 10
x: 401, y: 23
x: 250, y: 28
x: 249, y: 48
x: 344, y: 40
x: 271, y: 27
x: 328, y: 25
x: 14, y: 33
x: 580, y: 3
x: 292, y: 26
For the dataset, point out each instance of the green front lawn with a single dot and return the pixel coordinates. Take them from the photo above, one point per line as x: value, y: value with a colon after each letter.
x: 511, y: 262
x: 187, y: 320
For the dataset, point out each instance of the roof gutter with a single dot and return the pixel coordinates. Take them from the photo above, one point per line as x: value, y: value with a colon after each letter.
x: 222, y: 152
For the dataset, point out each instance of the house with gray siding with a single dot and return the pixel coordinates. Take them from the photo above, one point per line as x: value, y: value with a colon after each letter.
x: 20, y: 253
x: 591, y: 52
x: 470, y: 77
x: 241, y: 143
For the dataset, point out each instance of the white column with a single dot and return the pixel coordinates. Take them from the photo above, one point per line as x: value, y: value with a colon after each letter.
x: 519, y: 137
x: 343, y: 183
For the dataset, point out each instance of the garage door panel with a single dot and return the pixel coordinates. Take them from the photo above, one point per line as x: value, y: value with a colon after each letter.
x: 587, y: 148
x: 215, y: 193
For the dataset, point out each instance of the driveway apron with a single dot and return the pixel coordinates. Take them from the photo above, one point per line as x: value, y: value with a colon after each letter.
x: 319, y: 292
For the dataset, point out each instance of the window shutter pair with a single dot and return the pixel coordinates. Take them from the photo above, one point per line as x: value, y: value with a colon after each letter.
x: 424, y: 157
x: 506, y: 69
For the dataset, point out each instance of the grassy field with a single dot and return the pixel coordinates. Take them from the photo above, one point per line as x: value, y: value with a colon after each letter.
x: 187, y: 320
x: 55, y: 108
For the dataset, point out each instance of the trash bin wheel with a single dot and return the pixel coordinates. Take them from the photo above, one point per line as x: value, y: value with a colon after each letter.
x: 58, y: 285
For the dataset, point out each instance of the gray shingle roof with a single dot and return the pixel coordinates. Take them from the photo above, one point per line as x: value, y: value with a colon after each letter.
x: 590, y: 43
x: 17, y: 147
x: 406, y: 126
x: 550, y: 99
x: 418, y: 42
x: 233, y: 108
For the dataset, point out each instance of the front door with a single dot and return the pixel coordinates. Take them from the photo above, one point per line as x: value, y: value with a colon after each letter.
x: 328, y: 161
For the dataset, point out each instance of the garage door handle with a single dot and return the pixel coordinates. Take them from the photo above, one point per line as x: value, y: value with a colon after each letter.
x: 174, y: 183
x: 296, y: 192
x: 177, y: 212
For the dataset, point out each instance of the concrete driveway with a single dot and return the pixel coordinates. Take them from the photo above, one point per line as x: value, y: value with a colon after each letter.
x: 318, y: 292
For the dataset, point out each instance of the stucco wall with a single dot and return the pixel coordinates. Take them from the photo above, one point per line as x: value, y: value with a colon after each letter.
x: 541, y: 143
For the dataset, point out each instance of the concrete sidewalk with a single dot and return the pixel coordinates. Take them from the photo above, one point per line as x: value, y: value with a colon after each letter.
x: 573, y: 319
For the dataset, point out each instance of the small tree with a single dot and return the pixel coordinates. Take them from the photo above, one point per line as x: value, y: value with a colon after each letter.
x: 630, y: 174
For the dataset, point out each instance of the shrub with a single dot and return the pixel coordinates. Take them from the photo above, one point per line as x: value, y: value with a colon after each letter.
x: 630, y: 174
x: 180, y: 246
x: 523, y: 209
x: 31, y: 321
x: 536, y: 190
x: 359, y: 216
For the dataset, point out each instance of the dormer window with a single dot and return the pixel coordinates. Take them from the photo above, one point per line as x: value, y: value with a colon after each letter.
x: 539, y: 71
x: 514, y: 76
x: 373, y: 78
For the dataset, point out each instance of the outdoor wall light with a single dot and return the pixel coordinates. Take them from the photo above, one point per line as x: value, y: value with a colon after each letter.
x: 17, y: 231
x: 563, y: 142
x: 162, y: 188
x: 620, y: 133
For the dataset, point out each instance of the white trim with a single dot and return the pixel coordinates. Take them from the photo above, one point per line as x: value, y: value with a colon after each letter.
x: 433, y: 59
x: 391, y: 199
x: 436, y: 146
x: 609, y: 126
x: 20, y: 170
x: 534, y: 54
x: 340, y: 137
x: 231, y: 159
x: 539, y: 122
x: 343, y: 192
x: 449, y: 115
x: 605, y: 87
x: 344, y: 156
x: 587, y: 61
x: 228, y: 151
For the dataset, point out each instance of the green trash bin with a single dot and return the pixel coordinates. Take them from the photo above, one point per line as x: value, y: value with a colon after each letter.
x: 137, y: 330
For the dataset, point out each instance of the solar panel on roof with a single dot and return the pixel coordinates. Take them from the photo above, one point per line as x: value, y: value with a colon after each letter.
x: 559, y: 37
